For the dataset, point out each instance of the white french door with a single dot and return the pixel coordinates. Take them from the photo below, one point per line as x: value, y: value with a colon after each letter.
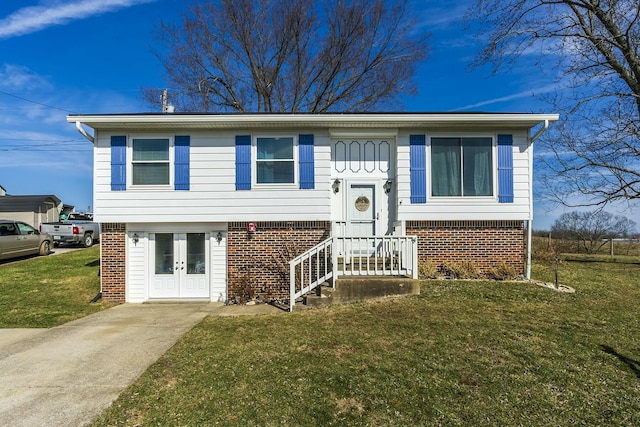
x: 179, y: 265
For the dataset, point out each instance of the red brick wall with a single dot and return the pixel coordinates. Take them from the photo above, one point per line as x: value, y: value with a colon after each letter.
x: 113, y: 270
x: 486, y: 243
x: 260, y: 261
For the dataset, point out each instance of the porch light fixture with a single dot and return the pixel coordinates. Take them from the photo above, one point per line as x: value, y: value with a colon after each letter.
x: 135, y: 239
x: 251, y: 229
x: 219, y: 237
x: 336, y: 185
x: 387, y: 186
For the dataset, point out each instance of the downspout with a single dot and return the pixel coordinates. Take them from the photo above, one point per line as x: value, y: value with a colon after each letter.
x: 530, y: 221
x: 84, y: 132
x: 91, y: 139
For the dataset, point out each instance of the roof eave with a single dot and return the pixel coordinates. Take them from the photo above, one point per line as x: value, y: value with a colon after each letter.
x: 377, y: 120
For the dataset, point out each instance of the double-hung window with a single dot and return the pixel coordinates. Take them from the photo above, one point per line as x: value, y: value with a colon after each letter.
x: 150, y: 161
x: 462, y: 167
x: 275, y: 161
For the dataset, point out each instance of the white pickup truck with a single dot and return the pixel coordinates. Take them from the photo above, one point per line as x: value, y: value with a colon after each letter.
x: 77, y: 228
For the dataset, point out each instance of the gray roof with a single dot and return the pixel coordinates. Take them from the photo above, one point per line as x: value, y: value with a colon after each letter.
x: 25, y: 203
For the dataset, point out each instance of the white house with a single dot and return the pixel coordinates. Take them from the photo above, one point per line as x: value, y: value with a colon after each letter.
x: 212, y: 206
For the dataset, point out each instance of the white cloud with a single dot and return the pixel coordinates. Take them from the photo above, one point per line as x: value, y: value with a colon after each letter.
x: 17, y: 77
x: 530, y: 93
x: 439, y: 17
x: 34, y: 18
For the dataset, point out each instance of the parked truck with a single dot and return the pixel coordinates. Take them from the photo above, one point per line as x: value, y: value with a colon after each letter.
x: 76, y: 228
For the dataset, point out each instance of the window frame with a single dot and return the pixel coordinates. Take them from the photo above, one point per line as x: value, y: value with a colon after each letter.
x: 254, y: 161
x: 170, y: 161
x: 462, y: 197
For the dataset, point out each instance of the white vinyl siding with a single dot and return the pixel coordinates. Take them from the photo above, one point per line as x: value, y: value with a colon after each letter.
x: 466, y: 208
x: 136, y: 267
x: 212, y: 196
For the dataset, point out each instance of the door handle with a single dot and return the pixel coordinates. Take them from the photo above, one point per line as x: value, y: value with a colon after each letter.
x: 378, y: 215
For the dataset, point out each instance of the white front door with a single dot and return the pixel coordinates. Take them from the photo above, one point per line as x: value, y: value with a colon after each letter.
x: 180, y: 267
x: 363, y: 210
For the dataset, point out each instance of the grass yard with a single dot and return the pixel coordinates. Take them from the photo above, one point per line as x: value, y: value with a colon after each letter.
x: 460, y: 354
x: 49, y: 291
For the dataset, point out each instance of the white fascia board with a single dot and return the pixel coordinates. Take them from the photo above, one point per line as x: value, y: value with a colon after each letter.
x: 382, y: 120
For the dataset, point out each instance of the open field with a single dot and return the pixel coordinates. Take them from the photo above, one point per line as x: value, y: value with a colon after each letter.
x: 47, y: 291
x: 462, y: 353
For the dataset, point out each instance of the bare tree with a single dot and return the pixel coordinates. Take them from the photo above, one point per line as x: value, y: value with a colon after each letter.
x: 593, y: 45
x: 290, y: 56
x: 591, y: 230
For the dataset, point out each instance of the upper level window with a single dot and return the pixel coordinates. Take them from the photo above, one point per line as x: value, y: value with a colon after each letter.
x: 275, y: 163
x: 462, y: 167
x: 150, y: 162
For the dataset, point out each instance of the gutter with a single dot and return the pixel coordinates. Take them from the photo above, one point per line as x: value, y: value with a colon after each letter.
x: 530, y: 222
x: 84, y: 132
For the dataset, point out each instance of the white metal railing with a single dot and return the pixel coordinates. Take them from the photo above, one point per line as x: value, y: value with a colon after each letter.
x: 352, y: 256
x: 376, y: 256
x: 309, y: 270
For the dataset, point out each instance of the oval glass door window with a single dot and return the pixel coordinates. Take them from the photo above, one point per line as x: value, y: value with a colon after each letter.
x: 362, y: 203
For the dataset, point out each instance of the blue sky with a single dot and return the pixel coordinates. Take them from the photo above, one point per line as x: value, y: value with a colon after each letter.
x: 93, y: 56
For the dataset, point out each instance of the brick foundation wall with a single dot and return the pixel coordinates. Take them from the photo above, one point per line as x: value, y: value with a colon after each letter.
x: 486, y: 243
x: 113, y: 271
x: 259, y: 262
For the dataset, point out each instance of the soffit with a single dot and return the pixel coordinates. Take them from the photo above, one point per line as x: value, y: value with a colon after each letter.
x: 160, y: 122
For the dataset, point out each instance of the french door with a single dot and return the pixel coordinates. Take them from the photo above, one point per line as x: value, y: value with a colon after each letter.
x: 180, y: 267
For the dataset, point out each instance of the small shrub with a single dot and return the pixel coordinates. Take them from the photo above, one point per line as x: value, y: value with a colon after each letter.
x: 502, y: 271
x: 465, y: 269
x: 244, y: 288
x: 427, y: 269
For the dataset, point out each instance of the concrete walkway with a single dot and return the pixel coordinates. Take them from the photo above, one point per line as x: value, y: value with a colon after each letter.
x: 67, y: 375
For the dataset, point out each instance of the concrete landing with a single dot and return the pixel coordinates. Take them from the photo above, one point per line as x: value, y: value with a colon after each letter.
x: 359, y: 289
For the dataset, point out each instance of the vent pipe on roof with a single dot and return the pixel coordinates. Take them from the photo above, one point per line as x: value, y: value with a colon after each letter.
x: 84, y: 132
x: 166, y: 107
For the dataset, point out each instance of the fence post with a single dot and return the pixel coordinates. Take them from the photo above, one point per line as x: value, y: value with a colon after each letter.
x: 414, y: 249
x: 292, y: 286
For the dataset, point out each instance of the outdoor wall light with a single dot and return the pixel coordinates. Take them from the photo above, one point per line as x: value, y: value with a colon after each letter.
x: 387, y: 186
x: 135, y: 239
x: 219, y: 237
x: 251, y: 229
x: 336, y: 185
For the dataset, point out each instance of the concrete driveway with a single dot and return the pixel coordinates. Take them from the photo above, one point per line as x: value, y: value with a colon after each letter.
x: 67, y: 375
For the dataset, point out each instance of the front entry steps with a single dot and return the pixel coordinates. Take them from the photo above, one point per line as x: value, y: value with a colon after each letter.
x: 361, y: 288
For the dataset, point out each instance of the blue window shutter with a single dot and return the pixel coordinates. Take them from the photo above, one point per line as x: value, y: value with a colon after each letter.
x: 505, y: 168
x: 418, y: 168
x: 243, y: 162
x: 118, y: 163
x: 182, y: 158
x: 307, y: 173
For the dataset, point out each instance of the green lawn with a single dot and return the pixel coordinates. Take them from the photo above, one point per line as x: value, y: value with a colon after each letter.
x: 461, y: 353
x: 49, y: 291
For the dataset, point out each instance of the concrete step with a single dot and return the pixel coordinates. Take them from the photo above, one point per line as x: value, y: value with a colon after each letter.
x: 362, y: 288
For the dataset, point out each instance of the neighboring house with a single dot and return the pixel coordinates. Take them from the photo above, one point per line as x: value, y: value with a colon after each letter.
x: 210, y: 206
x: 33, y: 210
